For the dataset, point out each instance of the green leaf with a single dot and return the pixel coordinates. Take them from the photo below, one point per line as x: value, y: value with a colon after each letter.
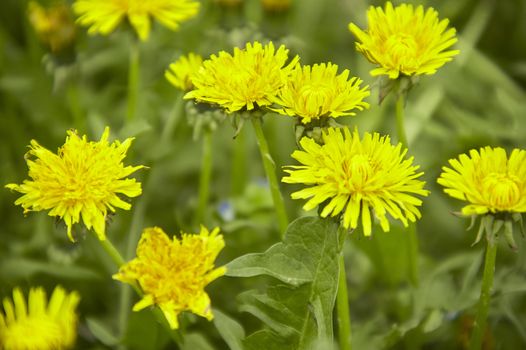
x: 302, y: 310
x: 229, y: 329
x: 196, y: 341
x: 101, y: 332
x: 265, y: 339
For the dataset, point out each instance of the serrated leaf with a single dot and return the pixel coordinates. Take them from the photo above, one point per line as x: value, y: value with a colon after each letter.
x: 229, y: 329
x: 302, y: 310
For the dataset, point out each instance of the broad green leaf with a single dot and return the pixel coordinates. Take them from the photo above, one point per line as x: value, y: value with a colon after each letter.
x: 265, y: 339
x: 229, y: 329
x: 196, y: 341
x: 302, y: 310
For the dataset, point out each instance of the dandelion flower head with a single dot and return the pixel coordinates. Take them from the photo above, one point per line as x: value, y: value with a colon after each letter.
x: 54, y: 25
x: 405, y: 40
x: 180, y: 72
x: 84, y: 179
x: 314, y: 92
x: 173, y: 273
x: 488, y: 180
x: 103, y: 16
x: 38, y: 324
x: 249, y: 78
x: 352, y: 176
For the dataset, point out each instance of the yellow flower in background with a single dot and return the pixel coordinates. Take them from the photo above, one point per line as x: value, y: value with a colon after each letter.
x: 353, y: 176
x: 84, y: 179
x: 250, y: 78
x: 103, y: 16
x: 38, y: 324
x: 54, y: 25
x: 405, y: 41
x: 488, y: 180
x: 180, y: 72
x: 276, y: 5
x: 173, y: 273
x: 318, y: 91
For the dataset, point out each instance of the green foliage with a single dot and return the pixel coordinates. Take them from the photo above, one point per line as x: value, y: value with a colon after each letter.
x: 307, y: 261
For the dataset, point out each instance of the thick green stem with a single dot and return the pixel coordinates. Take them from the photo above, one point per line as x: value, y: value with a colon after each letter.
x: 411, y: 239
x: 133, y: 80
x: 117, y: 258
x: 400, y: 128
x: 342, y: 307
x: 479, y: 327
x: 239, y: 165
x: 270, y: 170
x: 75, y: 108
x: 204, y: 179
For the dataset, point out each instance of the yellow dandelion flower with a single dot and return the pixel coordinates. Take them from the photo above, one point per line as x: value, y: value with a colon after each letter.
x: 351, y: 177
x: 103, y: 16
x: 249, y: 78
x: 173, y: 273
x: 181, y: 71
x: 318, y: 91
x: 404, y: 40
x: 276, y: 5
x: 54, y: 25
x: 39, y: 324
x: 488, y: 181
x: 83, y: 179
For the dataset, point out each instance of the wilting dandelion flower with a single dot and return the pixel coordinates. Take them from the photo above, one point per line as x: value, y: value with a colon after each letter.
x: 318, y: 91
x: 404, y: 40
x: 250, y: 78
x: 103, y: 16
x: 38, y: 324
x: 181, y: 71
x: 173, y: 273
x: 488, y: 181
x: 54, y: 25
x: 352, y: 176
x: 84, y: 179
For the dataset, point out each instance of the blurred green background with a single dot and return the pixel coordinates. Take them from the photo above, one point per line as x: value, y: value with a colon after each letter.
x: 478, y: 99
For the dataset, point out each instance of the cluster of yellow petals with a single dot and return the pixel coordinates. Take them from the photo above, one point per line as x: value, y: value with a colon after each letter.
x: 37, y: 324
x: 317, y: 91
x: 82, y: 180
x: 404, y: 40
x: 173, y: 273
x: 54, y: 25
x: 353, y: 176
x: 487, y: 179
x: 250, y: 78
x: 181, y: 72
x: 103, y: 16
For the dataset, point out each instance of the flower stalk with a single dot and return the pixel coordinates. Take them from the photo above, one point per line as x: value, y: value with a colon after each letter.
x: 342, y: 307
x: 270, y: 170
x: 133, y: 80
x: 204, y: 179
x: 479, y: 326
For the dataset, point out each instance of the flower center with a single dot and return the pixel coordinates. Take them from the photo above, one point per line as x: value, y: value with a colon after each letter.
x: 359, y: 170
x: 502, y: 190
x: 401, y: 45
x: 314, y: 94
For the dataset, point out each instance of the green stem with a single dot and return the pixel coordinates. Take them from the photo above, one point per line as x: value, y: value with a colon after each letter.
x: 239, y: 165
x: 133, y: 80
x: 117, y: 258
x: 412, y: 239
x: 75, y: 108
x: 204, y: 179
x: 479, y: 327
x: 400, y: 128
x: 342, y: 307
x: 270, y: 170
x: 173, y: 119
